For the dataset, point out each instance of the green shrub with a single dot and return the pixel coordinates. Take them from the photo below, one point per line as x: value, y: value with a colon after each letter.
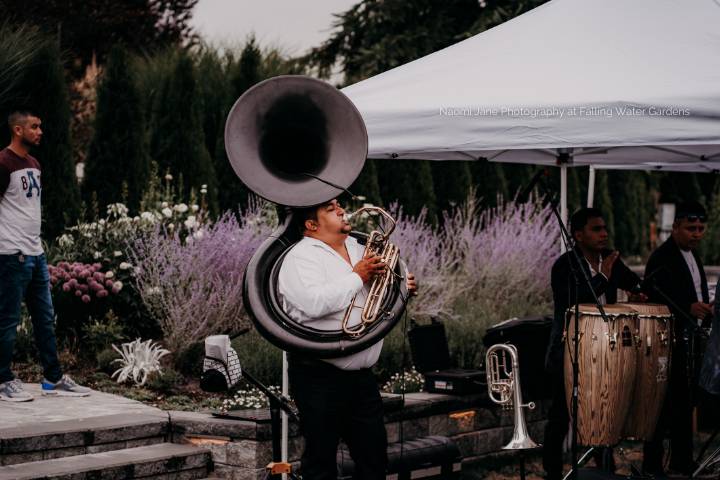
x: 100, y: 335
x: 164, y: 382
x: 259, y: 357
x: 189, y: 361
x: 105, y: 361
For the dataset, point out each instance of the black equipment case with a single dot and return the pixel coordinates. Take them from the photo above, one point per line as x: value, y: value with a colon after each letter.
x: 429, y: 348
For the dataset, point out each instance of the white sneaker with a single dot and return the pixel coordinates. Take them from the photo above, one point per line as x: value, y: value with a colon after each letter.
x: 65, y: 387
x: 13, y: 391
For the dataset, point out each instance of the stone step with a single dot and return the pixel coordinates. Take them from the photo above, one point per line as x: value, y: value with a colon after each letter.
x: 49, y: 440
x: 163, y: 461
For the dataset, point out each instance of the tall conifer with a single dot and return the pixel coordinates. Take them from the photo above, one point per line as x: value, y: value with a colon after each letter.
x: 178, y: 140
x: 44, y: 88
x: 118, y: 152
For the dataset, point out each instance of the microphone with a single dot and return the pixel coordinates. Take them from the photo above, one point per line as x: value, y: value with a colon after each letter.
x: 534, y: 181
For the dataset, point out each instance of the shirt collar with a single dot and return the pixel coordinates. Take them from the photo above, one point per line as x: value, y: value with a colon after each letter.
x: 319, y: 243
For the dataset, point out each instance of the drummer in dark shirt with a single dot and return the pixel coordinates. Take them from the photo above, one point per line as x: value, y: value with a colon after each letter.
x: 607, y: 273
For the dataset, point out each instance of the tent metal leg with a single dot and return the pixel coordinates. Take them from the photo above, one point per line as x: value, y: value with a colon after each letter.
x: 284, y: 417
x: 591, y: 187
x: 563, y: 200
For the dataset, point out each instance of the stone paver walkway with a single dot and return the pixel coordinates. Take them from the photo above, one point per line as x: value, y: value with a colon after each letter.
x: 50, y: 409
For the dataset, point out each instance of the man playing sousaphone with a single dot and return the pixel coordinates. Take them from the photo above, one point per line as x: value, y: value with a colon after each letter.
x: 607, y: 273
x: 337, y: 398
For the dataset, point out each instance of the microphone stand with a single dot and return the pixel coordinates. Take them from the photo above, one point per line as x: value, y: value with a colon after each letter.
x: 578, y: 276
x: 277, y: 403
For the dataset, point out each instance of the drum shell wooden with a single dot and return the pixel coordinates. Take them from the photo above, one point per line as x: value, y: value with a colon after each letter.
x: 653, y: 369
x: 606, y: 374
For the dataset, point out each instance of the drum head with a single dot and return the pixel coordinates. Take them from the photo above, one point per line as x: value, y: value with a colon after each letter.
x: 649, y: 309
x: 614, y: 310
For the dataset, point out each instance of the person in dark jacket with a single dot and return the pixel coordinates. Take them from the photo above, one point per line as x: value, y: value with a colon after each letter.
x: 607, y: 273
x: 677, y: 273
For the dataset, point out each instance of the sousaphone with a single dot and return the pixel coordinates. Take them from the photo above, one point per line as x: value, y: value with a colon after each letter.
x: 299, y: 142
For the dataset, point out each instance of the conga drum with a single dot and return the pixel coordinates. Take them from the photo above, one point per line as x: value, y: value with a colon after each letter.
x: 651, y: 377
x: 607, y: 359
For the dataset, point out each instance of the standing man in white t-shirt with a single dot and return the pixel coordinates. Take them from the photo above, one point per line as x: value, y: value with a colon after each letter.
x: 677, y: 272
x: 336, y: 398
x: 23, y: 268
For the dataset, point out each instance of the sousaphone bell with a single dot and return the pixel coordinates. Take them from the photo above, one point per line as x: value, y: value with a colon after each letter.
x: 299, y: 142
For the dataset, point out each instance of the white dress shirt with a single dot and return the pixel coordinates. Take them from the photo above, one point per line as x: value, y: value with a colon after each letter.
x: 694, y: 271
x: 601, y: 298
x: 316, y: 285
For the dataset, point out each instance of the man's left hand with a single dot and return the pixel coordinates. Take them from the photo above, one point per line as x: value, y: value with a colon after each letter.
x: 411, y: 285
x: 637, y: 297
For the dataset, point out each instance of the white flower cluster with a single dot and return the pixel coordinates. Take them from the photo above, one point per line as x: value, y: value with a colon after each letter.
x: 405, y: 382
x: 246, y: 399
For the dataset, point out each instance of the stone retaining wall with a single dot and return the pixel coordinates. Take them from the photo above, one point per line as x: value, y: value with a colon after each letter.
x: 241, y: 448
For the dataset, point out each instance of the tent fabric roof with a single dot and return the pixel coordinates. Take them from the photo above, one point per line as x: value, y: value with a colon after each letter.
x: 641, y: 77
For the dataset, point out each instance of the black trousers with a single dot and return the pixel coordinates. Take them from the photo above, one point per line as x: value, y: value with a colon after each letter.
x: 557, y: 427
x: 675, y: 420
x: 337, y: 404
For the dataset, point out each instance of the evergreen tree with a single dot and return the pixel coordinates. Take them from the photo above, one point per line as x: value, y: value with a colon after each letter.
x: 178, y: 141
x: 91, y: 28
x: 44, y: 89
x: 248, y: 70
x: 118, y: 156
x: 604, y: 202
x: 410, y: 183
x: 243, y: 75
x: 214, y: 96
x: 711, y: 242
x: 367, y: 184
x: 452, y: 182
x: 489, y: 182
x: 517, y: 177
x: 680, y: 187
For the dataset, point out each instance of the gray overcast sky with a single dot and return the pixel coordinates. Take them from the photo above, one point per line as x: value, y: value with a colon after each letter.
x: 293, y: 25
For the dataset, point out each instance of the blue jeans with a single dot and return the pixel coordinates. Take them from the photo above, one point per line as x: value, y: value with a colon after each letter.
x: 27, y: 278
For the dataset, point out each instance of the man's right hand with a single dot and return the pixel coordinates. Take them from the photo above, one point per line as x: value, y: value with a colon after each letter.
x: 608, y: 262
x: 700, y: 310
x: 368, y: 267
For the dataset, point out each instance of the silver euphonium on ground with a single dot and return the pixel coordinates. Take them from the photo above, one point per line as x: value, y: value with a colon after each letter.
x: 299, y: 142
x: 504, y: 389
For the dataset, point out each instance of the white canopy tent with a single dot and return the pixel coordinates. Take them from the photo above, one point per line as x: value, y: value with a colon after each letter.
x: 611, y: 84
x: 607, y: 83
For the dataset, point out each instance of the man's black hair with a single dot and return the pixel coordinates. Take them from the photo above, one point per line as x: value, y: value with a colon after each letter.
x: 16, y: 115
x: 689, y: 209
x: 580, y: 218
x: 300, y: 215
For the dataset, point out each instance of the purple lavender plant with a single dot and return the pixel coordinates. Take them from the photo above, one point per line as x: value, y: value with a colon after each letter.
x: 193, y: 287
x: 479, y: 267
x: 435, y: 261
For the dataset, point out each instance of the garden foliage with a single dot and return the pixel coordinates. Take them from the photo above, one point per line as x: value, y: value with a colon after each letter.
x: 101, y: 246
x: 193, y: 287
